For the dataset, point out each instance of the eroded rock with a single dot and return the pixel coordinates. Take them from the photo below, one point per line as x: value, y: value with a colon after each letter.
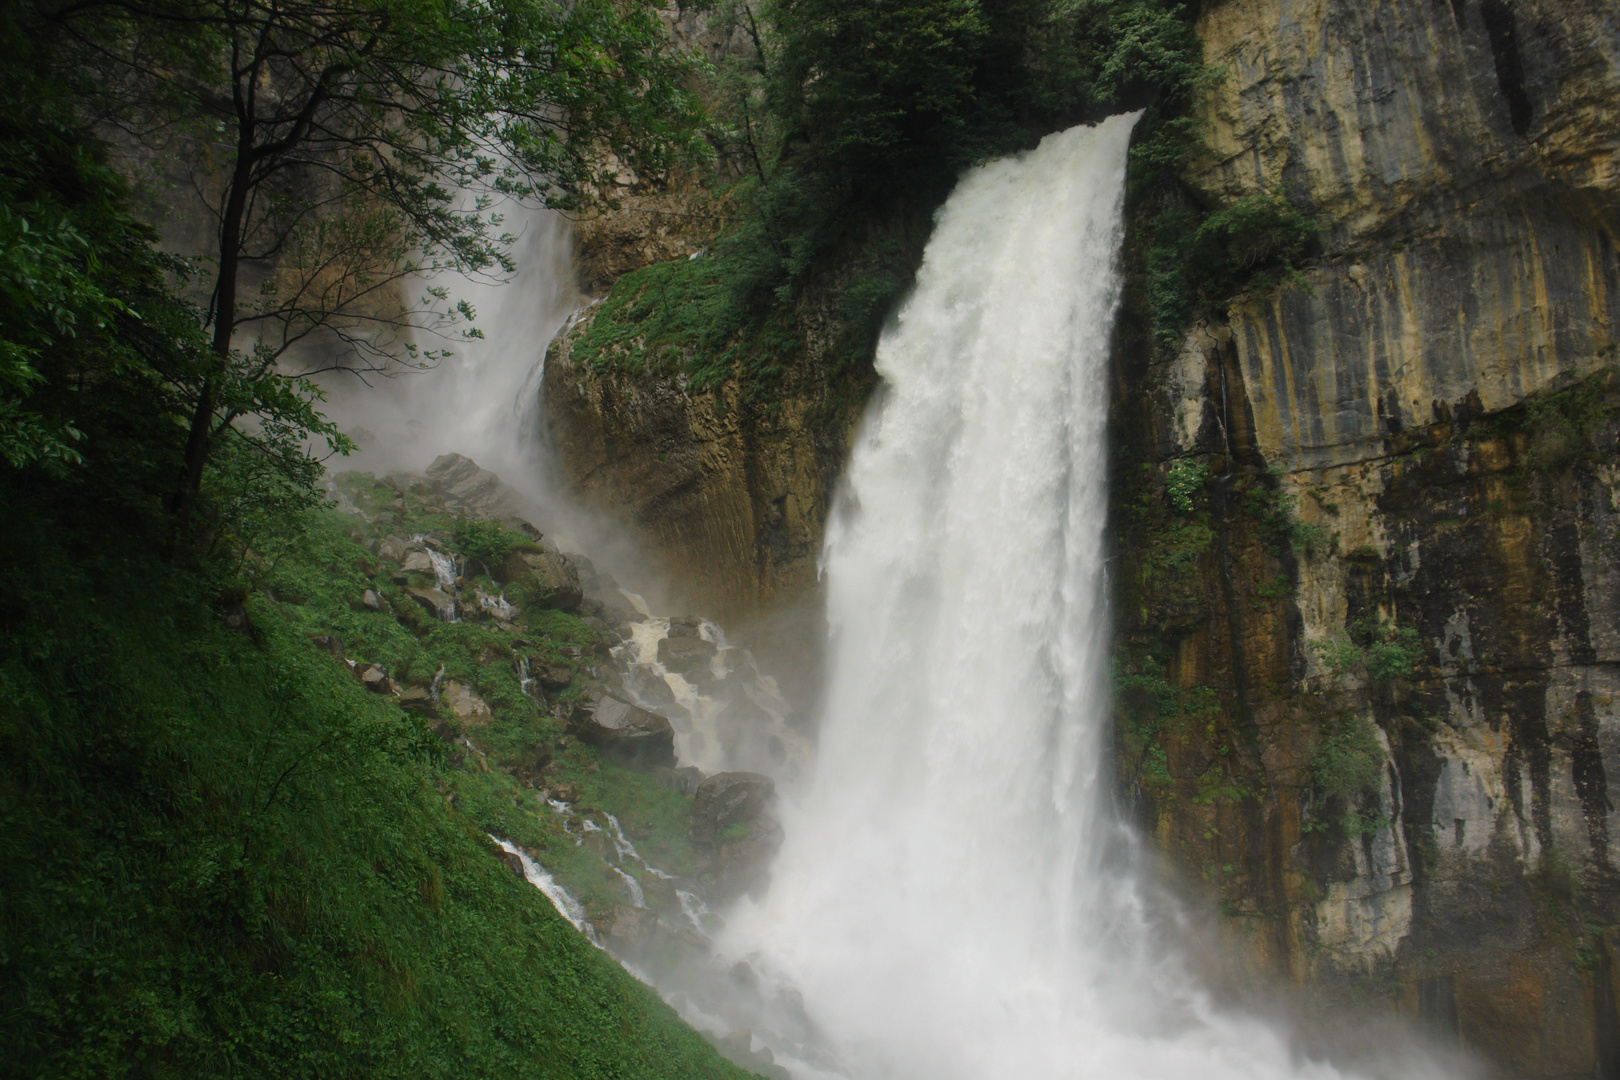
x: 626, y: 733
x: 688, y: 656
x: 469, y: 489
x: 464, y: 703
x: 436, y: 602
x: 553, y: 578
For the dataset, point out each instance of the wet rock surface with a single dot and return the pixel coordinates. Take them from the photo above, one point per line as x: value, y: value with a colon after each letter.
x: 1422, y: 440
x: 625, y: 732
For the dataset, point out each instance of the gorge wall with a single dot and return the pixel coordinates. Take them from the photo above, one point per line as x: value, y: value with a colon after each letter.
x: 1368, y: 574
x: 1415, y: 445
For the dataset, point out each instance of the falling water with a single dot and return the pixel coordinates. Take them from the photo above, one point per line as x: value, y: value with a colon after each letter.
x: 947, y: 901
x: 482, y: 399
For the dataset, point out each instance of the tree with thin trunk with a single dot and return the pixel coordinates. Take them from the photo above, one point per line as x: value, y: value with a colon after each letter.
x: 344, y: 147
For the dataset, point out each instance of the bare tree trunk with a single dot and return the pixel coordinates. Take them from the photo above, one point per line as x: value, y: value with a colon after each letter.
x: 199, y: 438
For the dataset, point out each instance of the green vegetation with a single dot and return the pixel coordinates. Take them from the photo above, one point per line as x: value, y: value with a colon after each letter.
x: 1185, y: 479
x: 1277, y: 512
x: 1345, y: 767
x: 842, y: 128
x: 1151, y: 716
x: 1378, y: 650
x: 225, y: 856
x: 1560, y: 428
x: 489, y: 542
x: 1197, y: 261
x: 331, y: 143
x: 228, y: 858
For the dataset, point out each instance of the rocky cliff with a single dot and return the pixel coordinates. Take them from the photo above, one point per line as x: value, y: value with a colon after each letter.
x: 1369, y: 618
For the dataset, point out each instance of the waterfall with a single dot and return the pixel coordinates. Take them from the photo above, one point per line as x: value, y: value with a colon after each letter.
x: 481, y: 400
x: 946, y: 902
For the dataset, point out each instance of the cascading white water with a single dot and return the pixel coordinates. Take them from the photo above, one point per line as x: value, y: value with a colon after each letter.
x: 481, y: 400
x: 945, y: 902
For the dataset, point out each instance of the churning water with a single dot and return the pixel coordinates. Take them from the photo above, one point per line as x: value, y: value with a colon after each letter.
x: 948, y: 902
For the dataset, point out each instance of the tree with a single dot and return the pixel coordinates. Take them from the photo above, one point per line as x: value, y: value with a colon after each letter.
x: 344, y: 145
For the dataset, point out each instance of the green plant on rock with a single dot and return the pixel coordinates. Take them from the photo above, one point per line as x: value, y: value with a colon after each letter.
x: 1185, y: 479
x: 1561, y: 424
x: 1345, y: 769
x: 489, y: 542
x: 1150, y: 710
x: 1277, y: 512
x: 1376, y: 649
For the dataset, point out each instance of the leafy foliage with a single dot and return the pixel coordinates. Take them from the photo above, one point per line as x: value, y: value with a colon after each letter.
x: 343, y: 146
x: 1198, y: 261
x: 1345, y: 767
x: 1186, y: 479
x: 845, y: 125
x: 1375, y: 649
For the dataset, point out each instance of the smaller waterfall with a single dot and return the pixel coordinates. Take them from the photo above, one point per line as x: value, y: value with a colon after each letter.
x: 727, y: 714
x: 540, y: 878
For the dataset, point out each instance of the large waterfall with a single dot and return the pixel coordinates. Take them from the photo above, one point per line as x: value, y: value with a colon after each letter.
x: 949, y: 901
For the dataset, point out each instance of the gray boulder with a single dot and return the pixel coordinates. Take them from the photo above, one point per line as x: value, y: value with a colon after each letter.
x: 469, y: 489
x: 688, y: 656
x: 465, y: 704
x: 436, y: 602
x: 726, y: 803
x: 626, y: 928
x: 391, y: 548
x: 555, y: 578
x: 418, y: 562
x: 733, y: 822
x: 373, y: 677
x: 626, y: 733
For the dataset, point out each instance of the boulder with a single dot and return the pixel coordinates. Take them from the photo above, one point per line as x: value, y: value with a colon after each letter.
x: 625, y: 927
x: 728, y: 800
x: 436, y: 602
x: 564, y: 791
x: 552, y: 676
x: 373, y: 677
x: 371, y: 600
x: 391, y: 548
x: 419, y: 701
x: 688, y: 656
x: 555, y: 578
x: 685, y: 626
x: 732, y: 819
x: 465, y: 704
x: 646, y: 683
x: 469, y: 489
x: 626, y: 733
x: 418, y: 562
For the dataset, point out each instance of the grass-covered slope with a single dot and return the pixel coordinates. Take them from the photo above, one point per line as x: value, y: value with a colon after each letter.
x: 223, y: 857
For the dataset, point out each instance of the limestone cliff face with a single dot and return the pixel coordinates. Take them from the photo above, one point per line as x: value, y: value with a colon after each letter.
x: 730, y: 495
x: 1423, y: 439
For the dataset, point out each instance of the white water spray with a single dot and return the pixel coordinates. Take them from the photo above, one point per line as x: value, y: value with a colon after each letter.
x: 482, y: 399
x: 946, y: 901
